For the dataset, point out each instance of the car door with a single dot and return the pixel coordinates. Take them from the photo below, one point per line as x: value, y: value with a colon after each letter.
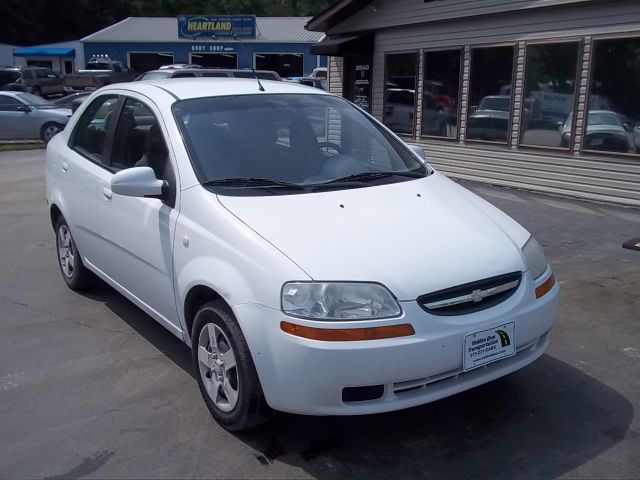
x: 137, y: 232
x: 12, y: 120
x: 77, y: 172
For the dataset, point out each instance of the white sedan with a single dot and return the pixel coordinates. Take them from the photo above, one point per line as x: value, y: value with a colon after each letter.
x: 313, y: 262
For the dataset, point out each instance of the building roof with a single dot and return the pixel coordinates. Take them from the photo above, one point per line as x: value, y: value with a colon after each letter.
x: 335, y: 13
x: 165, y: 29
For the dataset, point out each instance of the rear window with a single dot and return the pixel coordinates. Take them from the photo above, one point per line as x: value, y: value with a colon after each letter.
x: 98, y: 66
x: 8, y: 76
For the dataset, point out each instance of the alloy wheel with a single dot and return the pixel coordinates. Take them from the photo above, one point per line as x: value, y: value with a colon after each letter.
x: 66, y: 251
x: 218, y: 368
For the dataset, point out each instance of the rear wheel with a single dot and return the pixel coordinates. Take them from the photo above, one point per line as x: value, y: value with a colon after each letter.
x: 50, y: 130
x: 74, y: 273
x: 226, y: 375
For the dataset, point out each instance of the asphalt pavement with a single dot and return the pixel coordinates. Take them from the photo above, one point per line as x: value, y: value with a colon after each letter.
x: 92, y: 387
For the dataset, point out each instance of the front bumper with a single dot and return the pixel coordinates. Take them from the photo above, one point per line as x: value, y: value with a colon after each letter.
x: 308, y: 376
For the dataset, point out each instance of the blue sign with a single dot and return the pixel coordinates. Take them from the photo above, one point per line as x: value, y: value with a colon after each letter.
x: 229, y: 26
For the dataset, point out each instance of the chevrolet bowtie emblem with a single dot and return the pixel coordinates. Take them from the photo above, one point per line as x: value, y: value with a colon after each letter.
x: 478, y: 295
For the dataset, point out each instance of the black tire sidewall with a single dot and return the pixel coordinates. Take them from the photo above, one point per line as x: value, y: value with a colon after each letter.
x: 251, y: 410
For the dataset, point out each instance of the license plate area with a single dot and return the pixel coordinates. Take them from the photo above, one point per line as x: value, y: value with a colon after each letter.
x: 488, y: 346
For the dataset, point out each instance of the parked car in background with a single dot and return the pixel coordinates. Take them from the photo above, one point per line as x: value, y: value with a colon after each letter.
x: 489, y: 120
x: 436, y: 119
x: 10, y: 80
x: 605, y: 131
x: 25, y: 116
x: 195, y: 200
x: 176, y: 66
x: 37, y: 80
x: 399, y: 106
x: 98, y: 73
x: 70, y: 100
x: 320, y: 83
x: 207, y: 72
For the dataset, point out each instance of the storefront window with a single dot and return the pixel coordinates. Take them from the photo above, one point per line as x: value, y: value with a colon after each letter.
x: 490, y: 94
x: 400, y: 92
x: 613, y: 120
x: 441, y: 93
x: 550, y: 86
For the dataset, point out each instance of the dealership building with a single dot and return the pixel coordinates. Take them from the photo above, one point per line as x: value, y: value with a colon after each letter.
x: 538, y: 94
x: 266, y: 43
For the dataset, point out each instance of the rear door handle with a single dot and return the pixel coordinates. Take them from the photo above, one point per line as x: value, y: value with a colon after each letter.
x: 107, y: 193
x: 65, y: 167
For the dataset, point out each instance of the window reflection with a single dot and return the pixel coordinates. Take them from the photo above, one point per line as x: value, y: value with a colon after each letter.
x: 490, y: 94
x: 441, y: 93
x: 400, y: 93
x: 549, y: 95
x: 613, y: 122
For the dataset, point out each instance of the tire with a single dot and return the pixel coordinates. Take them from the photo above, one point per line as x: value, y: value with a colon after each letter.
x: 50, y: 130
x: 244, y: 406
x: 73, y: 271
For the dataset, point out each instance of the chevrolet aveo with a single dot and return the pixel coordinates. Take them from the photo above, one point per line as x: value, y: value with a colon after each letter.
x: 313, y: 262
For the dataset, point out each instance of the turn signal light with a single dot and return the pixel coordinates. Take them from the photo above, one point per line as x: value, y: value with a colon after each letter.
x: 347, y: 334
x: 545, y: 287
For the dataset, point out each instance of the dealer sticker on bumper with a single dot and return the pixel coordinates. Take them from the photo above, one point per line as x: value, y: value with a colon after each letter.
x: 488, y: 346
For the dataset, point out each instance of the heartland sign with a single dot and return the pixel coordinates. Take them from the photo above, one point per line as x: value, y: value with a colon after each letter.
x: 229, y: 26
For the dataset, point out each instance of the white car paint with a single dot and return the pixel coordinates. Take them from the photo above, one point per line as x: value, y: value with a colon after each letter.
x: 414, y: 237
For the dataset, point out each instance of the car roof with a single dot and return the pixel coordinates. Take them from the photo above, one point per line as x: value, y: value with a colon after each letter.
x: 186, y: 88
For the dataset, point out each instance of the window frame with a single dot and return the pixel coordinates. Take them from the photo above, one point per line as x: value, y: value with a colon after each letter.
x: 514, y: 68
x: 601, y: 154
x: 459, y: 48
x: 416, y: 52
x: 576, y: 94
x: 109, y: 133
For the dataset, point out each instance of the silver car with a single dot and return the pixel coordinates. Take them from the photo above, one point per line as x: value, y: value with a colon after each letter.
x: 24, y: 116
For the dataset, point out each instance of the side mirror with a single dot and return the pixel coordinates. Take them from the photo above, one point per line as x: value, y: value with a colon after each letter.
x: 418, y: 151
x: 473, y: 109
x: 23, y: 108
x: 137, y: 182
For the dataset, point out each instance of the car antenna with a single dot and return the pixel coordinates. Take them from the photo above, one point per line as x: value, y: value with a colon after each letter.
x: 244, y: 50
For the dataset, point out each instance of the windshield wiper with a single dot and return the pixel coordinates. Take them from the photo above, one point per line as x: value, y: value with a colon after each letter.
x: 251, y: 182
x: 365, y: 176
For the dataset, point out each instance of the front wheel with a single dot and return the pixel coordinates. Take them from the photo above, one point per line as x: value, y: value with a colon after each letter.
x: 50, y: 130
x: 224, y: 369
x: 74, y: 273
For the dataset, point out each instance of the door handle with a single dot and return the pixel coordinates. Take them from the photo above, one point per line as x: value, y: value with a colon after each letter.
x: 107, y: 194
x: 65, y: 167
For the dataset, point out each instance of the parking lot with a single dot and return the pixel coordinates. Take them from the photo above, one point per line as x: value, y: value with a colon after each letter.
x: 92, y: 387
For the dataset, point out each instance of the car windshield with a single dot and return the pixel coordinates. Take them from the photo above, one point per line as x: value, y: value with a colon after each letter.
x: 604, y: 118
x: 289, y: 143
x: 500, y: 104
x: 35, y: 101
x: 155, y: 75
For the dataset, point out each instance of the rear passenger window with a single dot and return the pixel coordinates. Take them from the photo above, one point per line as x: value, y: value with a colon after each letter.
x: 214, y: 74
x: 91, y: 130
x: 183, y: 75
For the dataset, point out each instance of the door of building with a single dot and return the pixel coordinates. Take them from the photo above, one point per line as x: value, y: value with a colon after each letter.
x: 357, y: 79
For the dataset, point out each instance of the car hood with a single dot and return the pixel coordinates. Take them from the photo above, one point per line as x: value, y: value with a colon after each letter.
x: 415, y: 237
x: 66, y: 112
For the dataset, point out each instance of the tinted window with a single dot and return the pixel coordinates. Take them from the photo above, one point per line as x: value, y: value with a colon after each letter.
x: 90, y: 133
x: 8, y: 76
x: 614, y: 104
x: 9, y: 104
x: 214, y: 74
x: 28, y: 74
x: 549, y: 94
x: 98, y: 66
x: 306, y: 140
x: 184, y: 75
x: 441, y: 93
x: 41, y: 73
x: 490, y: 94
x: 400, y: 91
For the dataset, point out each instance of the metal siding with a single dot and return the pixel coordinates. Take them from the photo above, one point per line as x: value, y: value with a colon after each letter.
x: 599, y: 177
x: 390, y: 13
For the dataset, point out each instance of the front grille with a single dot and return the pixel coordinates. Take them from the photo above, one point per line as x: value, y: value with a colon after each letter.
x: 471, y: 297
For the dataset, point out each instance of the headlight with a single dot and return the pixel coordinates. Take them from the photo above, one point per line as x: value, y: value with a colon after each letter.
x: 338, y: 301
x: 534, y: 256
